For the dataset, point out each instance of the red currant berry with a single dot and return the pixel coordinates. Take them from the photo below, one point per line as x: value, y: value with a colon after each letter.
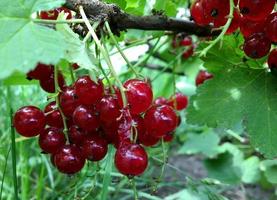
x: 69, y: 159
x: 88, y: 91
x: 147, y: 139
x: 51, y: 139
x: 272, y: 59
x: 110, y: 132
x: 108, y: 109
x: 29, y: 121
x: 188, y: 53
x: 95, y: 148
x: 48, y: 83
x: 139, y: 95
x: 202, y: 77
x: 257, y: 45
x: 168, y: 137
x: 256, y: 10
x: 178, y: 101
x: 248, y: 27
x: 40, y: 72
x: 197, y: 13
x: 53, y: 14
x: 76, y: 135
x: 160, y: 120
x: 131, y: 159
x: 187, y: 41
x: 53, y: 115
x: 160, y: 101
x: 271, y: 27
x: 68, y: 101
x: 86, y: 118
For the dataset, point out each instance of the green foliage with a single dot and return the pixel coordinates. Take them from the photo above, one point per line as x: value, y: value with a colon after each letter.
x: 24, y: 43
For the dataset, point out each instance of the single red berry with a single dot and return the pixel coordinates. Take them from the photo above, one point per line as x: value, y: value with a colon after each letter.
x: 86, y: 118
x: 256, y: 10
x: 271, y: 27
x: 272, y: 59
x: 197, y: 13
x: 53, y: 115
x: 40, y: 72
x: 68, y: 101
x: 248, y: 27
x: 139, y: 95
x: 75, y: 66
x: 216, y: 11
x: 69, y: 159
x: 88, y: 91
x: 187, y: 41
x: 131, y: 159
x: 188, y: 53
x: 110, y: 132
x: 202, y: 77
x: 109, y: 109
x: 76, y: 135
x: 257, y: 45
x: 29, y: 121
x: 160, y: 120
x: 53, y: 14
x: 95, y: 148
x: 179, y: 101
x: 168, y: 137
x: 51, y: 139
x: 48, y: 83
x: 160, y: 101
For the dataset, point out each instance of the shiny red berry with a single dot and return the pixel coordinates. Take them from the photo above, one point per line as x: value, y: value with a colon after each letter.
x: 108, y: 108
x: 69, y: 159
x: 248, y: 27
x: 88, y: 91
x: 272, y: 59
x: 51, y: 139
x: 257, y: 45
x: 188, y: 53
x: 271, y: 27
x: 256, y: 10
x: 202, y: 77
x: 95, y: 148
x: 179, y: 101
x: 76, y: 135
x: 86, y: 118
x: 53, y: 14
x: 40, y: 72
x: 187, y: 41
x: 160, y: 101
x: 160, y: 120
x: 68, y: 101
x: 197, y: 13
x: 48, y: 82
x: 110, y: 132
x: 131, y: 159
x: 29, y: 121
x: 53, y: 115
x: 139, y: 95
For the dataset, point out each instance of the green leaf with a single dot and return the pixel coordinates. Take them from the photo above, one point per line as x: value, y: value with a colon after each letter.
x: 205, y: 143
x: 240, y: 94
x: 18, y: 79
x: 22, y: 42
x: 250, y: 170
x: 270, y: 170
x: 168, y: 6
x: 77, y: 51
x: 121, y: 3
x: 226, y: 167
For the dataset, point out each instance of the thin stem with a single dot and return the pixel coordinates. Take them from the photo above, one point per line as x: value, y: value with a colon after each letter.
x: 134, y: 187
x: 47, y: 21
x: 71, y: 74
x: 105, y: 55
x: 224, y: 30
x: 57, y: 89
x: 120, y: 51
x: 15, y: 184
x: 4, y: 171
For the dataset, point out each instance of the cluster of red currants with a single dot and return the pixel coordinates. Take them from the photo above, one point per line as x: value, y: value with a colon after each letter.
x: 255, y: 20
x: 186, y: 42
x: 86, y: 117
